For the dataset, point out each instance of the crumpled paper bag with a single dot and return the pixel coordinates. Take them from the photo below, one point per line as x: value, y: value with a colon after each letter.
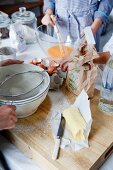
x: 83, y: 104
x: 82, y: 71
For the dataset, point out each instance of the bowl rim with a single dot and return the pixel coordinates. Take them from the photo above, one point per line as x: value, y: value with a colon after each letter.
x: 22, y: 102
x: 29, y: 98
x: 60, y: 43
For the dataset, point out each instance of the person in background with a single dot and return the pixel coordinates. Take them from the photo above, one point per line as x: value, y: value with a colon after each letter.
x: 8, y: 113
x: 75, y: 15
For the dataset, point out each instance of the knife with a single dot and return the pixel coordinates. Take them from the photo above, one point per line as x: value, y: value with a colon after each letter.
x: 58, y: 138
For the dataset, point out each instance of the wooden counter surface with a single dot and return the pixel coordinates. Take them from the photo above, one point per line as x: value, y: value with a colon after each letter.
x: 33, y: 136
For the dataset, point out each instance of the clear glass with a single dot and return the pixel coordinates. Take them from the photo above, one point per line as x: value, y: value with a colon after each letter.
x: 106, y: 92
x: 4, y: 25
x: 53, y: 43
x: 25, y: 17
x: 4, y: 20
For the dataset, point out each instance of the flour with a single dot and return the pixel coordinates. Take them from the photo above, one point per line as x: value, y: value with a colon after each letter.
x: 59, y: 101
x: 42, y: 127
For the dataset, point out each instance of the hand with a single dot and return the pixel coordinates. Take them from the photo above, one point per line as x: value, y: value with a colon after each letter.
x: 64, y: 65
x: 7, y: 117
x: 49, y: 20
x: 10, y: 62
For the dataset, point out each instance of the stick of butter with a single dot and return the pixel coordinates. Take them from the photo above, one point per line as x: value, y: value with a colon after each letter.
x: 75, y: 122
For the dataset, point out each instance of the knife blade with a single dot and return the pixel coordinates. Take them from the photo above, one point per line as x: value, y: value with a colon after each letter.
x: 58, y: 138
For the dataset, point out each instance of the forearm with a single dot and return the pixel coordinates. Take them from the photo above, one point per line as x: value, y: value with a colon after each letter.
x: 96, y: 25
x: 103, y: 58
x: 9, y: 62
x: 49, y: 6
x: 103, y: 11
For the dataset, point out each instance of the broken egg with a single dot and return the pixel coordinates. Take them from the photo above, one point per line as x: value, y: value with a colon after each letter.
x: 51, y: 69
x: 42, y: 66
x: 53, y: 63
x: 45, y: 62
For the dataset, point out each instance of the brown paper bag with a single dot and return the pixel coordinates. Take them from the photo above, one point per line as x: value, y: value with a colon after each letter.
x: 81, y: 70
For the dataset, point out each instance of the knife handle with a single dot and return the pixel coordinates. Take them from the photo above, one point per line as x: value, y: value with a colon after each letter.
x: 56, y: 149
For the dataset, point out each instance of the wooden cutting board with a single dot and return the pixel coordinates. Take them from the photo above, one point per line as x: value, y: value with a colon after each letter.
x: 34, y: 137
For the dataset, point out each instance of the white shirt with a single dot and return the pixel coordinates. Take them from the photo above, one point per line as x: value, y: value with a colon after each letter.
x: 109, y: 46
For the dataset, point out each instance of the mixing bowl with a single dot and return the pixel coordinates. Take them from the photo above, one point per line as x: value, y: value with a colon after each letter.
x: 25, y: 104
x: 54, y: 43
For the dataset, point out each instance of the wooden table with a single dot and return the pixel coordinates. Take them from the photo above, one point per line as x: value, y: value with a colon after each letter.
x: 33, y: 136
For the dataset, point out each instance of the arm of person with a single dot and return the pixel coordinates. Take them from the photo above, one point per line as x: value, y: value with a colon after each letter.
x: 48, y: 10
x: 102, y: 59
x: 8, y: 113
x: 10, y: 62
x: 7, y: 117
x: 96, y: 25
x: 102, y: 14
x: 49, y: 6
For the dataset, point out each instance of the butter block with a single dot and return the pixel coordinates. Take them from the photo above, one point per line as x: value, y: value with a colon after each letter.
x: 75, y: 122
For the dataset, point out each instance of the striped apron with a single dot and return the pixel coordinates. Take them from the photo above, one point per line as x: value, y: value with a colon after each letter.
x: 74, y: 16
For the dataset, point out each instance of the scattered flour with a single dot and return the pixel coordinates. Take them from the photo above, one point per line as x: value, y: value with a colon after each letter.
x: 58, y: 103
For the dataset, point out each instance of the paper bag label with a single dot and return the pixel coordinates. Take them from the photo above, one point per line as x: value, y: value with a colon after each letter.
x: 89, y: 35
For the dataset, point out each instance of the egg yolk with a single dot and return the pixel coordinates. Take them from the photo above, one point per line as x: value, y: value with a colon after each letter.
x: 59, y: 51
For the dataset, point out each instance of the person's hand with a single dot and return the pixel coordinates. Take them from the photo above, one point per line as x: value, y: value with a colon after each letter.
x: 10, y: 62
x: 64, y: 65
x: 7, y: 117
x: 49, y: 20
